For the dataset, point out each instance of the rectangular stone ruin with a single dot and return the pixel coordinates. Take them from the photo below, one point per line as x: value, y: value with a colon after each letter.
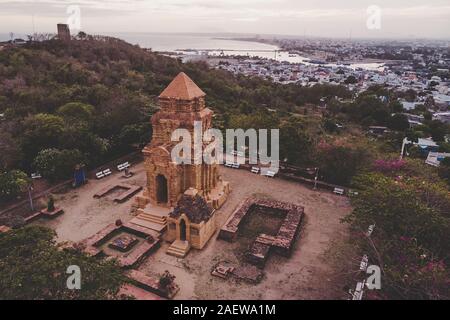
x: 151, y: 284
x: 259, y: 251
x: 127, y: 192
x: 222, y: 270
x: 128, y: 252
x: 264, y: 244
x: 248, y: 273
x: 123, y: 243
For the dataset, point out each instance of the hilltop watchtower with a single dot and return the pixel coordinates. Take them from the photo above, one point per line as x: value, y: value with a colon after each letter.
x: 63, y: 32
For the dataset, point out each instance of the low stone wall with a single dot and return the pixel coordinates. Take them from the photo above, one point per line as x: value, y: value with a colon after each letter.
x: 282, y: 243
x: 129, y: 191
x: 135, y: 257
x: 151, y: 284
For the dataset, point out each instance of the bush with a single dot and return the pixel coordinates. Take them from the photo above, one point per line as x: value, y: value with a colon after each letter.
x: 33, y: 267
x: 166, y: 280
x: 412, y: 234
x: 12, y: 183
x: 339, y: 163
x: 444, y: 170
x: 57, y: 164
x: 399, y: 122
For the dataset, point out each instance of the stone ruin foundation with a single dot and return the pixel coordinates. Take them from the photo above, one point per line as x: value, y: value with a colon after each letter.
x: 282, y: 243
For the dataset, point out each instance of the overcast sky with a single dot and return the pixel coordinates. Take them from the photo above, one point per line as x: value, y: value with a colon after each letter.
x: 333, y: 18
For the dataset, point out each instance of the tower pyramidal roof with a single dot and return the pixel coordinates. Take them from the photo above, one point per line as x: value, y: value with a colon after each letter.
x: 182, y: 87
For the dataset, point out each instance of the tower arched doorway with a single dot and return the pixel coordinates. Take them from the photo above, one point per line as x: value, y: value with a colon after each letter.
x: 182, y: 230
x: 161, y: 189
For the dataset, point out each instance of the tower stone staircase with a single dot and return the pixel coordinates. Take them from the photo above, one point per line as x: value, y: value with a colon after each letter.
x: 179, y: 248
x: 151, y: 217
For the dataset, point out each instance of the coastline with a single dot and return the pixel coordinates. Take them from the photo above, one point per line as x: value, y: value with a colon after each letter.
x: 311, y: 56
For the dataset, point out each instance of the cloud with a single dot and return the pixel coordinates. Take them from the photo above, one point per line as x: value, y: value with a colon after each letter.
x: 258, y: 16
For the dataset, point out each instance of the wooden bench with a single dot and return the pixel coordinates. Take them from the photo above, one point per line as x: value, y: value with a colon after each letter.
x: 99, y: 175
x: 339, y: 191
x: 123, y: 166
x: 232, y: 165
x: 104, y: 173
x: 36, y: 176
x: 255, y: 170
x: 269, y: 173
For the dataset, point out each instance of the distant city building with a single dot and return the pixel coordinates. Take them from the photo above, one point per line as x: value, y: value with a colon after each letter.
x: 409, y: 105
x: 414, y: 119
x: 435, y: 158
x: 442, y: 116
x: 63, y: 32
x: 442, y: 101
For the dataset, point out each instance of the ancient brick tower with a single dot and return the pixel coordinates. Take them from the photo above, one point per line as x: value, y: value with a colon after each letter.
x: 181, y: 103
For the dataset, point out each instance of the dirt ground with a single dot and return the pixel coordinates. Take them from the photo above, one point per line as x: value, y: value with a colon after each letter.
x: 310, y: 273
x: 84, y: 215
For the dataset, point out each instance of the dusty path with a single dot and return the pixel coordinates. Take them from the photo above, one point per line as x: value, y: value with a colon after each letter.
x: 307, y: 274
x: 84, y: 215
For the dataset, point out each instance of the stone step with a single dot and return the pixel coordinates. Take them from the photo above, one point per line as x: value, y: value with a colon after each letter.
x: 148, y: 224
x: 179, y: 248
x: 152, y: 213
x: 152, y: 219
x: 174, y: 249
x: 183, y: 245
x: 176, y: 252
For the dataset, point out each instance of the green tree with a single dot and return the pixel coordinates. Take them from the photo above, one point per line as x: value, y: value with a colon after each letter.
x: 351, y: 80
x: 56, y: 164
x: 132, y: 134
x: 369, y: 110
x: 259, y: 120
x: 33, y: 267
x: 396, y: 106
x: 437, y: 130
x: 444, y: 170
x: 338, y: 164
x: 412, y: 234
x: 10, y: 153
x: 76, y: 111
x: 399, y: 122
x: 12, y: 183
x: 330, y: 125
x: 41, y: 131
x: 295, y: 144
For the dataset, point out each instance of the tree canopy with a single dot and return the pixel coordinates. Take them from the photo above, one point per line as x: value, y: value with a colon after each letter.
x: 32, y: 266
x: 411, y: 240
